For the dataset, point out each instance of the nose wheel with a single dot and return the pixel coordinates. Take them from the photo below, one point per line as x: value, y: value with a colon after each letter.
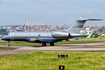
x: 8, y: 43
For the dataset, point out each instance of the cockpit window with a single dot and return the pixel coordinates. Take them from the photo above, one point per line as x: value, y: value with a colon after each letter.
x: 7, y: 34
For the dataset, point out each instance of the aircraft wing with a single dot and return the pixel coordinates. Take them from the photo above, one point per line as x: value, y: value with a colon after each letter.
x: 34, y: 39
x: 37, y: 37
x: 89, y: 35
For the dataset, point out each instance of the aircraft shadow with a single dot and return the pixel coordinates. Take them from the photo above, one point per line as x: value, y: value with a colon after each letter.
x: 37, y: 46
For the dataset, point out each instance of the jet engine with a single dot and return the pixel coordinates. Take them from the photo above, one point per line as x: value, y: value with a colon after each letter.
x: 60, y: 35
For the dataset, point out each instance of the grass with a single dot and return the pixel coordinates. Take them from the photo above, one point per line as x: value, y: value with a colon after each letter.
x: 50, y: 61
x: 63, y: 42
x: 72, y: 42
x: 100, y: 38
x: 3, y: 48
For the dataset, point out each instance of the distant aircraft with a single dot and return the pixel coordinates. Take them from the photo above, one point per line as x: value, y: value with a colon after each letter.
x: 48, y: 37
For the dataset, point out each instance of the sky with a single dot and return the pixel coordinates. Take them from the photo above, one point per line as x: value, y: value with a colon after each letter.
x: 52, y: 12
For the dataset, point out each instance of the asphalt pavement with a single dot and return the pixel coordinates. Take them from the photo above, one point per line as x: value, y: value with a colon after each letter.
x: 22, y: 49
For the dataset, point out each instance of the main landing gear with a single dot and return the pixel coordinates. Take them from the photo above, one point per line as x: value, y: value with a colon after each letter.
x: 8, y: 43
x: 52, y: 44
x: 43, y: 44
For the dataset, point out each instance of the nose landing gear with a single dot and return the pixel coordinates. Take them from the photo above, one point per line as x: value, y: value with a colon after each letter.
x: 8, y: 43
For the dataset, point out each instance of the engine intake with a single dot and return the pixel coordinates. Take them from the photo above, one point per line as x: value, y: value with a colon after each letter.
x: 60, y: 35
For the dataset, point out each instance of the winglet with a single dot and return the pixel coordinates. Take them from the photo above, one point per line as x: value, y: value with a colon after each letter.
x: 89, y: 35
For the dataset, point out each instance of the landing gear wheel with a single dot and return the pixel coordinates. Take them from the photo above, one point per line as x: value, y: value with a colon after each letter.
x: 51, y: 44
x: 8, y: 43
x: 43, y: 44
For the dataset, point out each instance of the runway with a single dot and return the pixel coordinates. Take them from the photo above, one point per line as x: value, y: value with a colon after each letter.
x: 58, y: 47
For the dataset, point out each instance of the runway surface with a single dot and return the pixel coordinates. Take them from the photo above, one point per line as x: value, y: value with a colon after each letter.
x: 58, y: 47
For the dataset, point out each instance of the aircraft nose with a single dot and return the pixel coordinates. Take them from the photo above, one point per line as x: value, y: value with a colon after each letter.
x: 3, y: 38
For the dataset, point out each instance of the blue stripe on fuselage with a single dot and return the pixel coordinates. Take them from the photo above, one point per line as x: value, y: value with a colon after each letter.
x: 51, y: 40
x: 27, y: 40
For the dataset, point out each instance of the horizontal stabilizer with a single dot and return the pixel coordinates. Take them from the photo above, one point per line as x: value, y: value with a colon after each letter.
x: 82, y: 19
x: 94, y: 19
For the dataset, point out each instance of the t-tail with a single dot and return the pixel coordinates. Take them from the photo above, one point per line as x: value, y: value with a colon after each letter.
x: 78, y: 24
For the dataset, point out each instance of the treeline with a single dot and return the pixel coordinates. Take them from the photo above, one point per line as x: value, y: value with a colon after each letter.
x: 96, y: 33
x: 101, y: 30
x: 3, y: 32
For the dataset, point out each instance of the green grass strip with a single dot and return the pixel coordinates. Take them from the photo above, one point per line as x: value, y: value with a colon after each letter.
x: 50, y: 61
x: 3, y: 48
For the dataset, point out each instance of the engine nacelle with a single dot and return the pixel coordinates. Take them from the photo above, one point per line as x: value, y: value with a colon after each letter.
x: 60, y: 35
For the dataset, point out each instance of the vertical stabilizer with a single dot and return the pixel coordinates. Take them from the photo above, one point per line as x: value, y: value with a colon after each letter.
x: 78, y: 24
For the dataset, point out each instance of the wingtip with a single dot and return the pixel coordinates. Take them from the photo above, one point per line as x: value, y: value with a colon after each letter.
x: 95, y: 19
